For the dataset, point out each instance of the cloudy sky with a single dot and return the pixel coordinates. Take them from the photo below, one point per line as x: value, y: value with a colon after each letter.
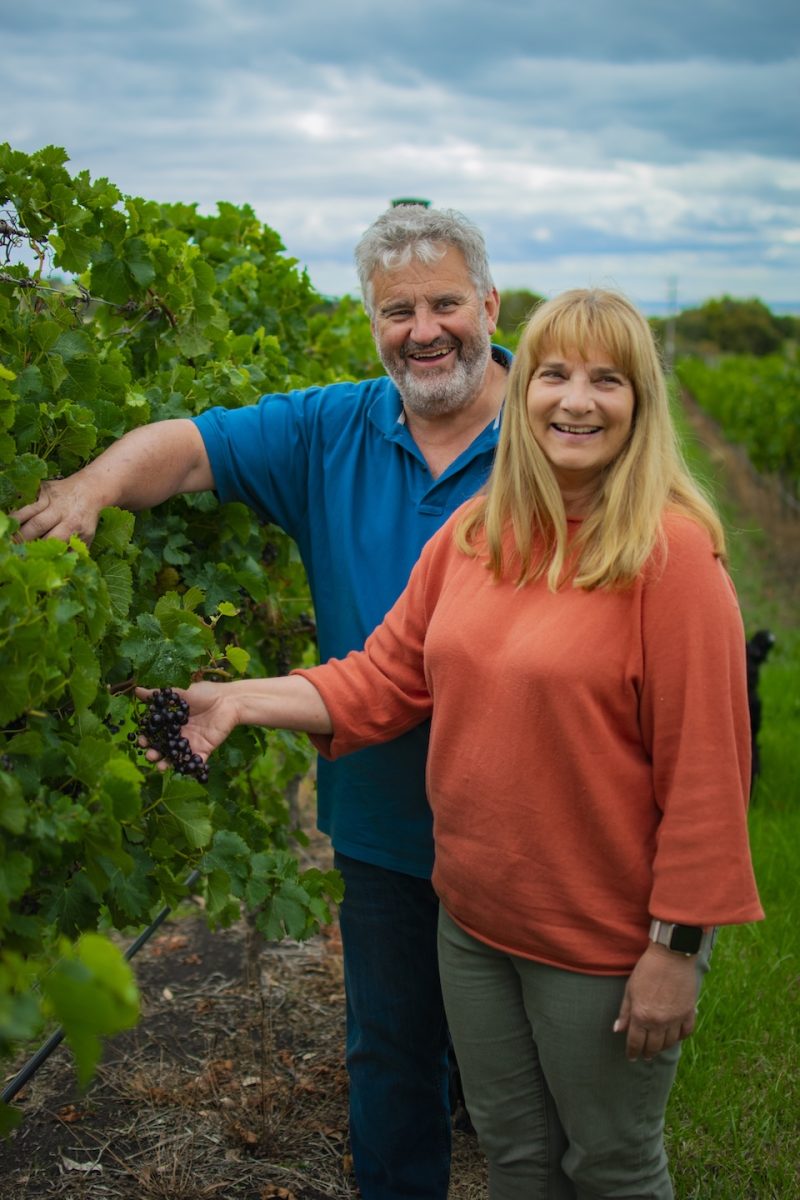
x: 644, y: 144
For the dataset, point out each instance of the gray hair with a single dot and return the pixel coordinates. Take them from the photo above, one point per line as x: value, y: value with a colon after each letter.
x: 409, y: 231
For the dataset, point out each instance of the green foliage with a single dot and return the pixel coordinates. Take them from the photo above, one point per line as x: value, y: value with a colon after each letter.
x: 757, y: 403
x: 729, y: 326
x: 341, y: 341
x: 161, y: 313
x: 734, y: 1111
x: 516, y: 306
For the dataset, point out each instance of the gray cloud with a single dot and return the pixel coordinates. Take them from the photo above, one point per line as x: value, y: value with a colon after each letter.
x: 660, y: 136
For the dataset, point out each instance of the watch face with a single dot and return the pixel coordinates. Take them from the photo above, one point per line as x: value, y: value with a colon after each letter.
x: 686, y: 939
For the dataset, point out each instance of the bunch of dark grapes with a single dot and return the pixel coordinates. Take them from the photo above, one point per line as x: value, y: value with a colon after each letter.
x: 161, y: 720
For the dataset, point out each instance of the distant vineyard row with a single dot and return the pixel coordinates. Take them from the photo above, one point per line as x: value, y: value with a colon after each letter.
x: 756, y: 401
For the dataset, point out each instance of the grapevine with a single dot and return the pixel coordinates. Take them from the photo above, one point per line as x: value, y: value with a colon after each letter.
x: 116, y: 311
x: 756, y: 401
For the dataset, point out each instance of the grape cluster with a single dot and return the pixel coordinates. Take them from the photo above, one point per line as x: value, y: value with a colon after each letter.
x: 161, y: 720
x: 6, y: 762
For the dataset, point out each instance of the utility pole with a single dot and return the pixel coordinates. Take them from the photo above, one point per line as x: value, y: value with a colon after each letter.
x: 669, y: 331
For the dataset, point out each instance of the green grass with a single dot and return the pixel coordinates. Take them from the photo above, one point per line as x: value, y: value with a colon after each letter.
x: 733, y: 1124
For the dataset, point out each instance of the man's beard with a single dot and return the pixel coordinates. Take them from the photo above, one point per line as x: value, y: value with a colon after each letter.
x: 449, y: 389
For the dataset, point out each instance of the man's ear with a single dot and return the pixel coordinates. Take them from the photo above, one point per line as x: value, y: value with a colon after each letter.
x: 491, y: 306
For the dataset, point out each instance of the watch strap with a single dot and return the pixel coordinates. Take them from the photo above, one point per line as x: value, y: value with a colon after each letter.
x: 682, y: 939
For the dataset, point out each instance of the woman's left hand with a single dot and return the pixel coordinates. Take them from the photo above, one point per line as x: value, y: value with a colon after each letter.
x: 212, y: 716
x: 658, y: 1007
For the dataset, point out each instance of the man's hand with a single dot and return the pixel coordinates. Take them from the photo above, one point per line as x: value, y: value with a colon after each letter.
x: 142, y: 469
x: 658, y: 1007
x: 63, y: 507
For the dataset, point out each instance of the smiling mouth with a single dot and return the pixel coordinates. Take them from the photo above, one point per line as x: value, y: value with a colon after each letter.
x: 429, y: 354
x: 579, y: 429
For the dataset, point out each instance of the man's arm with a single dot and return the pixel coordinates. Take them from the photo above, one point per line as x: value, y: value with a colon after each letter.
x: 145, y: 467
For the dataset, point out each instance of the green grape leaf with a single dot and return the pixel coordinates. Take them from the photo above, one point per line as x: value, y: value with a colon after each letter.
x: 286, y: 913
x: 230, y: 854
x: 76, y: 907
x: 114, y: 531
x: 121, y: 783
x: 119, y: 581
x: 21, y: 481
x: 84, y: 678
x: 16, y: 870
x: 92, y: 993
x: 130, y: 893
x: 13, y: 810
x: 187, y: 812
x: 238, y: 658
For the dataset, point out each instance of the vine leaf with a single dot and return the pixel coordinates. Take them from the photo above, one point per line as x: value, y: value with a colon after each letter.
x: 92, y: 993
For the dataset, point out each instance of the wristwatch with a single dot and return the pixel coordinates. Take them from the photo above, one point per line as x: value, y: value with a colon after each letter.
x: 682, y: 939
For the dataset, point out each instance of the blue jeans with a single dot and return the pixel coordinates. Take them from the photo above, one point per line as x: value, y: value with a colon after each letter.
x: 397, y: 1039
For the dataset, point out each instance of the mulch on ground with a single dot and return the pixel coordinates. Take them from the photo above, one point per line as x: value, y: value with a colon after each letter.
x: 232, y: 1085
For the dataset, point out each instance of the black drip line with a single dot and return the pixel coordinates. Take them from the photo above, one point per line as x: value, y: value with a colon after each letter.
x: 55, y: 1039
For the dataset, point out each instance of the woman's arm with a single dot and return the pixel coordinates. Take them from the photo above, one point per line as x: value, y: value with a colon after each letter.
x: 695, y: 729
x: 215, y: 709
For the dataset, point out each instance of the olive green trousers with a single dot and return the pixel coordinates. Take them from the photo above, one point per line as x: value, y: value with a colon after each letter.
x: 560, y: 1112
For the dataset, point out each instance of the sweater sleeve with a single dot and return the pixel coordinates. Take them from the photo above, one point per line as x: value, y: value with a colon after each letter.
x: 380, y: 692
x: 695, y: 726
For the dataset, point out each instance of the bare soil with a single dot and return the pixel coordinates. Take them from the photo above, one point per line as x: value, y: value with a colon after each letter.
x: 233, y: 1086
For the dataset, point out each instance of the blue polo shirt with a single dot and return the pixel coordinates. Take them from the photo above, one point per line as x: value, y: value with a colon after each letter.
x: 337, y: 469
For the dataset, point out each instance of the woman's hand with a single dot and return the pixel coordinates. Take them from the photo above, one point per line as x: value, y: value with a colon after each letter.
x: 215, y: 709
x: 658, y: 1007
x: 213, y: 714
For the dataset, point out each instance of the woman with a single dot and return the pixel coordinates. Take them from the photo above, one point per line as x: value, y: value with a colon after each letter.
x: 576, y: 641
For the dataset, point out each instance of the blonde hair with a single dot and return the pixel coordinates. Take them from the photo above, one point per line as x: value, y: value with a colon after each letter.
x: 648, y: 477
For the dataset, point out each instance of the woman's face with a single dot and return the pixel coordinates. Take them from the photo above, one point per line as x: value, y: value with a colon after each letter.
x: 581, y: 414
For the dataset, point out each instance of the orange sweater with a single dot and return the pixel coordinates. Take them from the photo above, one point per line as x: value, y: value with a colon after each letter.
x: 589, y: 756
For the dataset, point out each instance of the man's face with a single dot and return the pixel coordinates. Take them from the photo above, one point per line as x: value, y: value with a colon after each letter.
x: 433, y: 332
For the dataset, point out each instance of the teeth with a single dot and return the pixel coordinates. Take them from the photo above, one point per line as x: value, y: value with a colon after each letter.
x: 577, y: 428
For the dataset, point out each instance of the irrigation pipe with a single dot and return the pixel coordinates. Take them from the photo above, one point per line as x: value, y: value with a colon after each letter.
x: 55, y: 1039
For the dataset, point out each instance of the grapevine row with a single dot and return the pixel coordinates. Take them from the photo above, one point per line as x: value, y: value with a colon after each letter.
x: 756, y: 401
x: 116, y: 311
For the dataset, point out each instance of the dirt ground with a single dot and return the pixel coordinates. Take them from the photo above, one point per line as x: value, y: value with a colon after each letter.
x: 233, y: 1084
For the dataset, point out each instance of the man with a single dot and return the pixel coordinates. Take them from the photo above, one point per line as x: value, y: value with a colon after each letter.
x: 360, y: 475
